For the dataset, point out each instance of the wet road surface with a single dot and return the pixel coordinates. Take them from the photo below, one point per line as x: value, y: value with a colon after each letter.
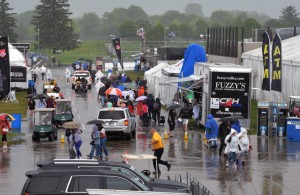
x: 274, y: 163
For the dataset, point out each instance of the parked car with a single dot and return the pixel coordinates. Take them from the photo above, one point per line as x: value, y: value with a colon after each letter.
x: 118, y: 121
x: 130, y: 171
x: 76, y: 181
x: 82, y: 74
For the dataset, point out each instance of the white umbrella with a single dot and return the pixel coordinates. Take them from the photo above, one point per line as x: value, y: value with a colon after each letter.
x: 141, y: 98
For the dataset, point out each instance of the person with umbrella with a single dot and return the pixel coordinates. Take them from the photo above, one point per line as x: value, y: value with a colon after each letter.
x: 103, y: 140
x: 96, y: 144
x: 31, y: 106
x: 171, y: 121
x: 77, y: 142
x: 156, y: 110
x: 4, y: 127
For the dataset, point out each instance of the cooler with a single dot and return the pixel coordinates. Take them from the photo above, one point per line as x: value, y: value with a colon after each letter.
x: 16, y: 124
x: 293, y: 129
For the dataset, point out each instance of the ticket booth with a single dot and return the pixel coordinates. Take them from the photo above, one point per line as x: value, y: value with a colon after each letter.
x: 262, y: 118
x: 273, y: 119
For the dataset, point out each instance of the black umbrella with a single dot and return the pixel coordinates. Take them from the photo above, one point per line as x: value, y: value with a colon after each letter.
x: 94, y: 122
x: 173, y: 106
x: 41, y: 96
x: 230, y: 118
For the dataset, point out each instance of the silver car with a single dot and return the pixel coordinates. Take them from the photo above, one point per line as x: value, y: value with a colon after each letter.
x: 118, y: 121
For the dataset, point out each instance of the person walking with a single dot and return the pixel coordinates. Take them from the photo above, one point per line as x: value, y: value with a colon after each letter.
x: 185, y: 114
x: 150, y: 103
x: 78, y: 142
x: 71, y: 143
x: 232, y: 148
x: 224, y: 130
x: 156, y: 110
x: 196, y: 113
x: 4, y: 127
x: 171, y: 122
x: 102, y: 95
x: 244, y: 146
x: 95, y: 144
x: 43, y: 71
x: 103, y: 140
x: 68, y: 76
x: 158, y: 148
x: 211, y: 129
x: 42, y: 103
x: 31, y: 106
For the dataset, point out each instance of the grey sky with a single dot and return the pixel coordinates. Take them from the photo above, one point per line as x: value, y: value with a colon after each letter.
x: 152, y: 7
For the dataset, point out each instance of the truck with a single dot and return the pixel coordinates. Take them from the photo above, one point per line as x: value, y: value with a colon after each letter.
x: 226, y: 91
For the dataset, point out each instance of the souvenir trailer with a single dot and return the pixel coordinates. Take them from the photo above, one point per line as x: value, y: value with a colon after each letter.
x: 226, y: 91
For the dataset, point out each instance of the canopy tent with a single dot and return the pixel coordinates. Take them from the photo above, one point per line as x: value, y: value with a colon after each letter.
x: 186, y: 79
x: 16, y: 58
x: 290, y: 68
x: 171, y: 72
x: 153, y: 76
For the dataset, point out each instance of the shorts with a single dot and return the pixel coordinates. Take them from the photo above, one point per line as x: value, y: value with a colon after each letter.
x: 185, y: 121
x: 4, y: 139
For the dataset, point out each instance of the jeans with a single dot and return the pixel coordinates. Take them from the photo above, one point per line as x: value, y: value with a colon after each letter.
x: 155, y: 116
x: 93, y: 147
x: 98, y: 150
x: 77, y: 147
x: 103, y: 146
x: 103, y: 98
x: 232, y: 157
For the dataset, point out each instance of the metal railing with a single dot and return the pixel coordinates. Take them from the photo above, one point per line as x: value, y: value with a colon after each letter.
x: 195, y: 186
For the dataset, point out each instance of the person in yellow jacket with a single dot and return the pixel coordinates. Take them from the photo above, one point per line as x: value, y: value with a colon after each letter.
x: 158, y: 148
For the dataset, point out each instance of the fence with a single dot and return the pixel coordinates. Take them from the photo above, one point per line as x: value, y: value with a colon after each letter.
x: 196, y: 187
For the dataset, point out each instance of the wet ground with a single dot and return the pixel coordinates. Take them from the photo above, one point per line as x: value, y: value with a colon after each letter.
x: 273, y: 164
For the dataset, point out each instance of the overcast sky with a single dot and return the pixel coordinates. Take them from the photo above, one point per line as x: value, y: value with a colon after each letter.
x: 156, y: 7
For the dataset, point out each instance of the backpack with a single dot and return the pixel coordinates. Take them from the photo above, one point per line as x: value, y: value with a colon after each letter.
x: 156, y: 106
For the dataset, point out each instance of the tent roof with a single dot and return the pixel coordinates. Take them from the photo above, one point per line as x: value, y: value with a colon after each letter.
x: 156, y: 68
x: 16, y: 58
x: 175, y: 68
x: 290, y: 51
x: 186, y: 79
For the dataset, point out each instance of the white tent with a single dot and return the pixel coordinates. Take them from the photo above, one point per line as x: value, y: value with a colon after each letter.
x: 152, y: 76
x: 290, y: 69
x: 16, y: 58
x: 167, y: 91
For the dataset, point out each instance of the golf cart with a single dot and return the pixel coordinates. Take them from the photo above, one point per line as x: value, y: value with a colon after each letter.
x: 43, y: 124
x: 63, y: 112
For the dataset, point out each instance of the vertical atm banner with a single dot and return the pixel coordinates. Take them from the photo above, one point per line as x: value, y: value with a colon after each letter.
x: 117, y: 46
x: 276, y: 64
x: 266, y: 61
x: 4, y: 67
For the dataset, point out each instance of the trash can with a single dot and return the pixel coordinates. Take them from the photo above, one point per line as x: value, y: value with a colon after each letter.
x: 16, y: 124
x: 293, y: 129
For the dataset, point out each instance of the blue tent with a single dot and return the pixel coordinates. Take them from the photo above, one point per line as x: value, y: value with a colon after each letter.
x: 194, y: 53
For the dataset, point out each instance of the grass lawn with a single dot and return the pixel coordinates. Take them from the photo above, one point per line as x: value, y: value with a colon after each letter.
x: 16, y: 108
x: 133, y: 75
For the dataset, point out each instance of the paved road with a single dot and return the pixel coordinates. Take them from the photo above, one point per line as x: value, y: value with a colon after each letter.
x: 273, y: 163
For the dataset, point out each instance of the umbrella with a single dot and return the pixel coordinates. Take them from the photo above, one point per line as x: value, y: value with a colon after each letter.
x: 230, y: 118
x: 94, y: 122
x: 41, y: 95
x: 6, y: 117
x: 29, y: 95
x: 113, y: 91
x: 141, y: 98
x: 173, y: 106
x: 72, y: 125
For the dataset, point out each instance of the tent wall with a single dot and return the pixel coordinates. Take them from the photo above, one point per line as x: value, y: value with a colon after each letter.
x: 151, y: 77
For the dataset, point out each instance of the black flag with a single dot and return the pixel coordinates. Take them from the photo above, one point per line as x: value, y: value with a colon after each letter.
x: 276, y: 64
x: 117, y: 46
x: 4, y: 67
x: 266, y: 61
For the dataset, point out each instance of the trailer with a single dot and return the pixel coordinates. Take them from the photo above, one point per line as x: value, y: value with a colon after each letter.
x: 226, y: 91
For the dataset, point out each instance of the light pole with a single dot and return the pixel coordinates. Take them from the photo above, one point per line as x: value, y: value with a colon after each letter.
x: 38, y: 39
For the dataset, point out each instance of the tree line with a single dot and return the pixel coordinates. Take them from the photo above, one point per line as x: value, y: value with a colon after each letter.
x: 52, y: 25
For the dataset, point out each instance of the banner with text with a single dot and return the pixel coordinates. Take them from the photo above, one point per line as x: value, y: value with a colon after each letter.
x: 266, y: 61
x: 117, y: 46
x: 4, y: 67
x: 276, y: 64
x: 18, y: 74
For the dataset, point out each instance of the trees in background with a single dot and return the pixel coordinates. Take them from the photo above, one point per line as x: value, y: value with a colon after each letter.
x: 7, y: 21
x: 55, y: 28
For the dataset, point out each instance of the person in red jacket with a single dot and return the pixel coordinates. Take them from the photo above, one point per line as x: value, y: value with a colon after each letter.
x: 4, y: 127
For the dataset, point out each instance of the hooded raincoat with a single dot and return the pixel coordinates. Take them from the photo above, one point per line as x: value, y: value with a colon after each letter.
x: 212, y: 129
x: 243, y: 139
x: 232, y: 142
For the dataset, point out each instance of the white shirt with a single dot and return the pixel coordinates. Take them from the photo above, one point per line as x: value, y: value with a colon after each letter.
x: 196, y: 110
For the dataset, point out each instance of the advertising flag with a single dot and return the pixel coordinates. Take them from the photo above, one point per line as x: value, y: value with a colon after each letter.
x: 266, y: 61
x: 4, y: 67
x: 140, y: 32
x: 276, y: 64
x: 117, y: 46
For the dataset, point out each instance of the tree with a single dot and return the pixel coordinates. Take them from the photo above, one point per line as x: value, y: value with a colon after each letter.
x: 7, y: 21
x: 200, y: 27
x: 127, y: 29
x: 55, y: 28
x: 89, y: 25
x: 170, y: 16
x: 274, y: 23
x: 221, y: 18
x: 136, y: 13
x: 24, y: 26
x: 194, y: 8
x: 156, y: 33
x: 289, y: 16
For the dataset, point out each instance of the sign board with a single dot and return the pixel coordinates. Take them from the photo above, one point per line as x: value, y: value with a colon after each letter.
x: 18, y: 74
x: 22, y: 46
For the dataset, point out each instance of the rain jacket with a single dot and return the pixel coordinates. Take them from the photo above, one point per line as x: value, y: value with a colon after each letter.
x: 232, y: 145
x: 244, y: 140
x: 211, y: 126
x: 236, y: 126
x: 96, y: 135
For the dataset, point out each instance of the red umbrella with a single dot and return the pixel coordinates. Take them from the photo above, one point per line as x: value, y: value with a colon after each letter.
x: 6, y: 117
x: 113, y: 91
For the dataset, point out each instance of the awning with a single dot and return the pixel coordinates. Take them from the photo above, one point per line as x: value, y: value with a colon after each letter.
x: 186, y: 79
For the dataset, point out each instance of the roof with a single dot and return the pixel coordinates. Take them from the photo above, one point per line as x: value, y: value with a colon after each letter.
x: 290, y: 51
x: 185, y: 79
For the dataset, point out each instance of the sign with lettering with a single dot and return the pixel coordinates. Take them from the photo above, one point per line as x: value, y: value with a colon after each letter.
x: 276, y: 64
x: 266, y: 61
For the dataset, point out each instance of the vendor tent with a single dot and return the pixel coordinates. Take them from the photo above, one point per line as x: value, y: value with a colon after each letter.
x: 152, y: 76
x: 290, y: 69
x: 167, y: 91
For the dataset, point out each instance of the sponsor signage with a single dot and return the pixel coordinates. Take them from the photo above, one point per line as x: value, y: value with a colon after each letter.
x: 266, y: 61
x: 18, y: 74
x: 117, y: 45
x: 276, y: 64
x: 230, y: 94
x: 22, y: 46
x: 4, y: 67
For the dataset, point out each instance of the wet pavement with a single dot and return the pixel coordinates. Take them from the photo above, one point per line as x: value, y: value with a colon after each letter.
x: 273, y: 164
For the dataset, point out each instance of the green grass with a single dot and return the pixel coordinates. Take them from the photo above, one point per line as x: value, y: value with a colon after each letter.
x: 14, y: 139
x: 133, y: 75
x: 16, y: 108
